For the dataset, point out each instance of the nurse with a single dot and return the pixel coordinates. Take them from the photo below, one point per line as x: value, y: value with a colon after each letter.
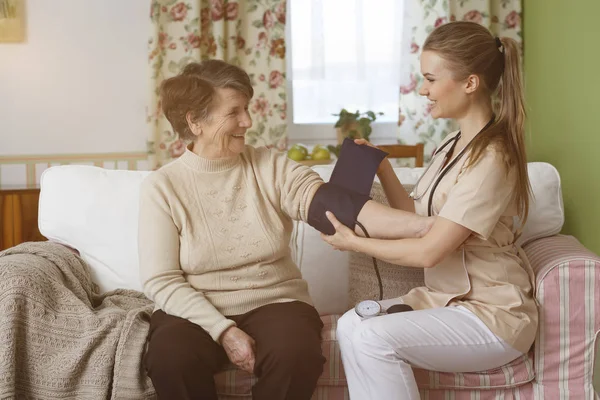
x: 477, y: 310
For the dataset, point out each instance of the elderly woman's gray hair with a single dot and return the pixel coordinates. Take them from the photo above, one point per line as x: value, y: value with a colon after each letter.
x: 192, y: 92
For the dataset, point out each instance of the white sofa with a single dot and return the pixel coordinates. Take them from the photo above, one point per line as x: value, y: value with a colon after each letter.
x: 94, y: 211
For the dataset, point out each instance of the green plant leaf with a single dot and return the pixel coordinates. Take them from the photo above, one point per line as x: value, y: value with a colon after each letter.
x: 364, y: 122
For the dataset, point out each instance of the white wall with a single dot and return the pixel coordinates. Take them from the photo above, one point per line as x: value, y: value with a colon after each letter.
x: 79, y: 84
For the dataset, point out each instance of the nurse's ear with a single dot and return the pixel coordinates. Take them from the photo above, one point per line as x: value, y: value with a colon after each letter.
x: 472, y: 84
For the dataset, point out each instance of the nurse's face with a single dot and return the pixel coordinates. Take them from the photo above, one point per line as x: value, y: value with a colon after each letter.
x: 449, y: 97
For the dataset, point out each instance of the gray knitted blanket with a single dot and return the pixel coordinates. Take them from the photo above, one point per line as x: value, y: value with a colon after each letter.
x: 60, y: 339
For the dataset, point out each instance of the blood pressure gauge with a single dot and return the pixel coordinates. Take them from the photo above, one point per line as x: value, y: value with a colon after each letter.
x: 368, y: 309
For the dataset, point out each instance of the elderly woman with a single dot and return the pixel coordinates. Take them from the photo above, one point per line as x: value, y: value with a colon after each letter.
x: 213, y: 242
x: 214, y: 234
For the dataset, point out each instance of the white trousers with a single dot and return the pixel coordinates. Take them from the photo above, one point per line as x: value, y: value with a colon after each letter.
x: 378, y: 353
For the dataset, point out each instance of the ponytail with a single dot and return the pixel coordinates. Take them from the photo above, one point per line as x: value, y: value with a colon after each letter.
x: 511, y: 116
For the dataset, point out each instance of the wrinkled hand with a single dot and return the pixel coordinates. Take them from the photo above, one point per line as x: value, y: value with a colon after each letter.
x: 364, y: 142
x: 343, y: 237
x: 240, y: 348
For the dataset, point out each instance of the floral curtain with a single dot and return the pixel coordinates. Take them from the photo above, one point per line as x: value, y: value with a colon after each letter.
x: 502, y: 17
x: 247, y: 33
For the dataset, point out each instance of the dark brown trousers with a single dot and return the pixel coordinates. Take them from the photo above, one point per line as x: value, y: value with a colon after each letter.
x: 182, y: 357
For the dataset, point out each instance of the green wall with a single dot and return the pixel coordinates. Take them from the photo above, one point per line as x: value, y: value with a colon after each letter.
x: 562, y: 86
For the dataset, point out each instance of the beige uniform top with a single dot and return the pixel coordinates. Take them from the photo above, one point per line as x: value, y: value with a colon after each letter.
x: 488, y: 274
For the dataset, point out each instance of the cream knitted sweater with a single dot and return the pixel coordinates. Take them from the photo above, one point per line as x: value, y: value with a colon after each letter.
x: 214, y: 235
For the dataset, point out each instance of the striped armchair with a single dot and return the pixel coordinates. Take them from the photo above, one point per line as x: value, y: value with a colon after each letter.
x: 559, y: 366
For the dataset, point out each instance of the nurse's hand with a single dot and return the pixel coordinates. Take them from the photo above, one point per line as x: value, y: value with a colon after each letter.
x: 343, y: 238
x: 367, y: 143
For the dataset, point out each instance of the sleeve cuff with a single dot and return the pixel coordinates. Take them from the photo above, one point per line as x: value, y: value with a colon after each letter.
x: 217, y: 330
x: 309, y: 198
x: 473, y: 227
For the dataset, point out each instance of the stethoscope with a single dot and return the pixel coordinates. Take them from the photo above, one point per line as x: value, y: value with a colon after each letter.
x: 442, y: 167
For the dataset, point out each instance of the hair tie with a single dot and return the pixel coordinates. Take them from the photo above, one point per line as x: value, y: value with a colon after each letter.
x: 498, y: 42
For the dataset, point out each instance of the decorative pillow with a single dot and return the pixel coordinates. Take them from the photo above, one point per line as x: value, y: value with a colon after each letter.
x: 546, y: 210
x: 397, y: 280
x: 95, y: 211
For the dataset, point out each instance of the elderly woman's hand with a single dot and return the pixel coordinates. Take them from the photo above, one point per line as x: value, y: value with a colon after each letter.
x: 343, y: 237
x: 240, y: 348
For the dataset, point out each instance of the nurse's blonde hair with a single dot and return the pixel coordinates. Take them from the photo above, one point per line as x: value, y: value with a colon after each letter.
x: 470, y: 49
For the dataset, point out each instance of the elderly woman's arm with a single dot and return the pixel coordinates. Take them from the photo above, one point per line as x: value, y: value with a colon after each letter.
x: 299, y: 184
x: 160, y: 270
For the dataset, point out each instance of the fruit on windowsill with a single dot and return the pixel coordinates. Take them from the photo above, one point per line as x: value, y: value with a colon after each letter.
x: 297, y: 152
x: 320, y: 153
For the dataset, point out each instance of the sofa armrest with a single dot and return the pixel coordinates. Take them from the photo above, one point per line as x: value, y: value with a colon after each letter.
x: 568, y: 291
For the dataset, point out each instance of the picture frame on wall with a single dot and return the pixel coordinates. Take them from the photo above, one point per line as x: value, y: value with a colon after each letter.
x: 12, y: 21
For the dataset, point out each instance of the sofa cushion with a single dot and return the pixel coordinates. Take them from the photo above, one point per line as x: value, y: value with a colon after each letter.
x: 513, y: 374
x: 95, y: 211
x: 546, y: 210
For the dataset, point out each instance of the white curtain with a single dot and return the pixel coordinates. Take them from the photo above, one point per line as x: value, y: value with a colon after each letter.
x: 346, y: 54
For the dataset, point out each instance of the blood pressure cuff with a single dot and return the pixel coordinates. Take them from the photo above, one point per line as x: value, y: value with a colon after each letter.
x: 348, y: 189
x: 356, y: 167
x: 343, y: 203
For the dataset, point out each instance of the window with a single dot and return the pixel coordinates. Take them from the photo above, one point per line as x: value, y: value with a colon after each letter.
x: 343, y: 54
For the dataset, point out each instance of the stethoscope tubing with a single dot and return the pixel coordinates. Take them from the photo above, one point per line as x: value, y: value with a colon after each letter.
x: 445, y: 169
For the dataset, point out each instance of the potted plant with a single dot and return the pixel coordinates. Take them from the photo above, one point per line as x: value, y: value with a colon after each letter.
x: 354, y: 125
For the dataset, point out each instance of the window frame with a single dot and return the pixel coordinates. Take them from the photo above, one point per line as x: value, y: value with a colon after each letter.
x: 321, y: 133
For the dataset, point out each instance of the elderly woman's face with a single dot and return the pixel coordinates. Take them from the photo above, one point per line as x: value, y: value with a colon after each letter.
x: 223, y: 133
